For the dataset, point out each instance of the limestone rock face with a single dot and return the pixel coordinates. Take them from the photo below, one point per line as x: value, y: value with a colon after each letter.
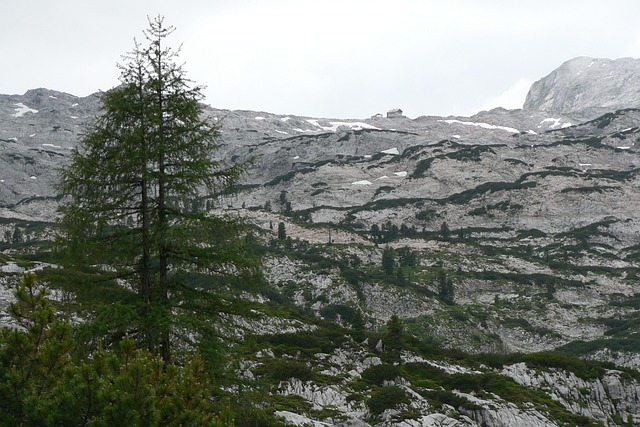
x: 587, y: 87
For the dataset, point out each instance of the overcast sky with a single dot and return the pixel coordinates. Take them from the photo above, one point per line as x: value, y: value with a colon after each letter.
x: 321, y: 58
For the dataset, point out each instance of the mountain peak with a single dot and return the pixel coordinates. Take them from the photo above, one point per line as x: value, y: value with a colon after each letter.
x: 586, y: 87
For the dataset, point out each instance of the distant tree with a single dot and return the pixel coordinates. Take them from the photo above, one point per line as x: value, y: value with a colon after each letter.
x: 393, y: 338
x: 400, y: 278
x: 388, y: 260
x: 282, y: 232
x: 407, y: 257
x: 404, y: 230
x: 267, y: 206
x: 375, y: 232
x: 283, y: 197
x: 17, y: 236
x: 358, y: 325
x: 446, y: 291
x: 287, y: 208
x: 445, y: 233
x: 149, y: 150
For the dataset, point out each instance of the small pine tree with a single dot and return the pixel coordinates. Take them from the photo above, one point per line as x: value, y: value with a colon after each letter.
x: 393, y: 338
x: 358, y: 325
x: 388, y: 260
x: 17, y: 237
x: 445, y: 233
x: 446, y: 291
x: 282, y: 232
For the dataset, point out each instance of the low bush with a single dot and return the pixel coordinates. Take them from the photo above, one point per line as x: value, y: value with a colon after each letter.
x: 378, y: 374
x: 385, y: 398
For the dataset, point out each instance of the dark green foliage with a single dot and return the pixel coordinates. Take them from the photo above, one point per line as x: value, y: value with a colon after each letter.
x: 445, y: 397
x: 466, y: 196
x: 378, y: 374
x: 288, y: 176
x: 282, y: 232
x: 284, y: 369
x: 333, y: 311
x: 358, y: 326
x: 472, y: 153
x: 388, y: 260
x: 393, y: 338
x: 407, y: 257
x: 445, y: 233
x: 422, y: 167
x: 324, y: 340
x: 385, y: 398
x: 426, y: 215
x: 138, y: 167
x: 47, y: 382
x: 383, y: 189
x: 586, y: 190
x: 505, y: 206
x: 446, y: 291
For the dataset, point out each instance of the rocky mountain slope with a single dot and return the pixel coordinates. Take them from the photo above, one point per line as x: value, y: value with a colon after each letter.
x: 530, y: 215
x: 587, y: 87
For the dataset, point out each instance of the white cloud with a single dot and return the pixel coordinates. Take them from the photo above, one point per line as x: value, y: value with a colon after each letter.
x: 335, y: 58
x: 513, y: 97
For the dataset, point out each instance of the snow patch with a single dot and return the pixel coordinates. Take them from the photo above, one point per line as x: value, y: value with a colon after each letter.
x: 456, y: 136
x: 74, y: 105
x: 623, y: 148
x: 260, y: 118
x: 296, y: 157
x: 532, y: 132
x: 51, y: 145
x: 32, y: 135
x: 482, y: 125
x: 367, y: 156
x: 393, y: 151
x: 401, y: 174
x: 556, y: 123
x: 282, y: 132
x: 333, y: 126
x: 22, y: 110
x: 382, y: 177
x: 33, y: 177
x: 285, y: 119
x: 363, y: 182
x: 74, y: 117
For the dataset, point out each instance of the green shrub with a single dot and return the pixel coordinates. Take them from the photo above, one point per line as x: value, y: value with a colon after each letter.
x: 378, y: 374
x: 385, y: 398
x: 284, y: 369
x: 445, y: 397
x: 332, y: 311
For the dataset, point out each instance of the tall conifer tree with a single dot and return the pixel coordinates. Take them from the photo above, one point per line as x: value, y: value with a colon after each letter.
x: 148, y: 154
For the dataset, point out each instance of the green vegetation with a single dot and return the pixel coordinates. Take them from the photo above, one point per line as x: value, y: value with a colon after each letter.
x: 47, y: 382
x: 385, y: 398
x: 146, y: 154
x: 466, y: 196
